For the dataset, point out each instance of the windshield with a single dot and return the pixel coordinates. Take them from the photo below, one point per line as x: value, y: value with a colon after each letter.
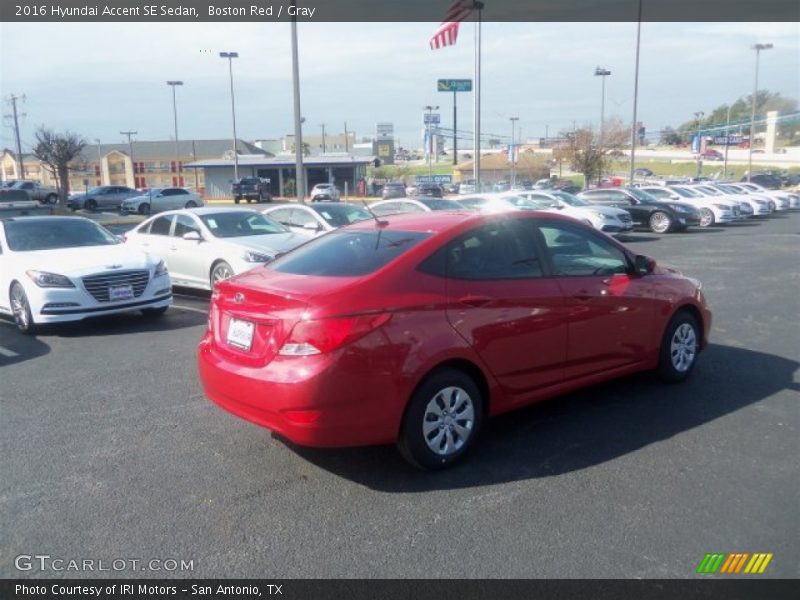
x: 439, y: 204
x: 25, y: 235
x: 339, y: 215
x: 344, y: 253
x: 709, y: 190
x: 523, y: 203
x: 571, y: 200
x: 240, y: 224
x: 543, y: 201
x: 641, y: 196
x: 685, y: 192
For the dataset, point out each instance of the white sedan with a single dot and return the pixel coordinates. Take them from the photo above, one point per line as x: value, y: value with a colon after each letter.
x: 712, y: 211
x: 160, y: 199
x: 748, y: 206
x: 55, y: 269
x: 204, y: 245
x: 396, y: 206
x: 781, y: 200
x: 317, y: 218
x: 603, y: 218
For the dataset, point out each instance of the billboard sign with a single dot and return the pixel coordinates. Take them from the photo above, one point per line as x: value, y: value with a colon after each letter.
x: 440, y: 179
x: 454, y: 85
x: 432, y: 118
x: 384, y: 130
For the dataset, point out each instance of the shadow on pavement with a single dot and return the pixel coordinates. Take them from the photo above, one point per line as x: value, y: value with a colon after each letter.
x: 582, y: 429
x: 16, y: 347
x: 125, y: 323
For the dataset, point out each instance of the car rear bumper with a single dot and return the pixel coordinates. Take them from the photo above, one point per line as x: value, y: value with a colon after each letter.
x: 311, y: 401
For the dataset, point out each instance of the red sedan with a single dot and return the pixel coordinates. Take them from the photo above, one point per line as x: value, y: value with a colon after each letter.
x: 416, y: 328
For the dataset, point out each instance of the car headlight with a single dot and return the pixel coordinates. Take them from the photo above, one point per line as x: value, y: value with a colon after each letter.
x: 161, y: 269
x: 600, y: 215
x: 49, y: 280
x: 255, y: 257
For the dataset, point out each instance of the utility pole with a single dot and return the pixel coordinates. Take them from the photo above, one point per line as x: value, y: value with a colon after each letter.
x: 130, y: 151
x: 727, y: 143
x: 20, y: 161
x: 300, y: 183
x: 346, y: 141
x: 758, y: 48
x: 323, y: 138
x: 512, y: 150
x: 699, y: 115
x: 634, y: 128
x: 173, y: 85
x: 230, y: 56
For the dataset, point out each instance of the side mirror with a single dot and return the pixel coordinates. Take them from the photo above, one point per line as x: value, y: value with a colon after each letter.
x: 312, y: 226
x: 643, y: 265
x: 192, y: 236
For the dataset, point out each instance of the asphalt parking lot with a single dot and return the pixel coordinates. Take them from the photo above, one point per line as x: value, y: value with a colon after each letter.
x: 110, y: 450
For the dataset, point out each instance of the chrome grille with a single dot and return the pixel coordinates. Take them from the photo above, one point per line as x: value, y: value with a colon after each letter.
x: 97, y: 285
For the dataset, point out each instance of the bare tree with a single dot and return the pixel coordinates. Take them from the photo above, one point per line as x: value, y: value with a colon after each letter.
x: 57, y: 151
x: 585, y: 154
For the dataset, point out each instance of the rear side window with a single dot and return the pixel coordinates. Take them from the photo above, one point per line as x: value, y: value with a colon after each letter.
x: 161, y: 226
x: 348, y: 253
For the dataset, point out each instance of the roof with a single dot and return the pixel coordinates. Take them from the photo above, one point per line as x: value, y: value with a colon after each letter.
x: 166, y: 148
x: 274, y: 161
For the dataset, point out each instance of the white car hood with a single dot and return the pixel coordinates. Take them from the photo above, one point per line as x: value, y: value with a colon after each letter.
x: 87, y: 260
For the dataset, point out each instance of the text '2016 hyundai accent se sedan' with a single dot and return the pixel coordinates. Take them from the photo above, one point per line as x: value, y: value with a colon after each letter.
x: 415, y: 328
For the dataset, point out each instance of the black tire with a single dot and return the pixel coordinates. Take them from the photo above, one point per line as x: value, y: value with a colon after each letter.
x: 672, y: 365
x: 190, y: 204
x: 144, y: 208
x: 660, y: 222
x: 707, y: 217
x: 152, y: 313
x: 237, y: 199
x: 91, y: 205
x: 21, y: 309
x: 51, y: 199
x: 460, y: 408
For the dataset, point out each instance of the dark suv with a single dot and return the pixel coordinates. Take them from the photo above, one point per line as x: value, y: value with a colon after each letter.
x: 433, y: 190
x: 393, y: 189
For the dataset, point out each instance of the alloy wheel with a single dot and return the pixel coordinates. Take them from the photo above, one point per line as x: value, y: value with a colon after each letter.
x: 221, y: 271
x: 20, y: 307
x: 660, y: 222
x: 706, y: 217
x: 683, y: 347
x: 448, y: 421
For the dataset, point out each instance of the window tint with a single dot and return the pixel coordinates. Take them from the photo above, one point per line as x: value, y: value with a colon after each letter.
x: 28, y: 234
x: 184, y: 224
x: 282, y: 215
x: 342, y: 214
x: 161, y: 225
x: 301, y: 218
x: 389, y: 208
x: 347, y: 253
x: 502, y: 250
x: 240, y: 223
x: 576, y: 253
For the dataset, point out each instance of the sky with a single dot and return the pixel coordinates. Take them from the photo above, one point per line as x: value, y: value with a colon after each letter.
x: 98, y: 79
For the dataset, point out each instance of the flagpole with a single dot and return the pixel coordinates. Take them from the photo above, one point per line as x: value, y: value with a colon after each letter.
x: 476, y: 168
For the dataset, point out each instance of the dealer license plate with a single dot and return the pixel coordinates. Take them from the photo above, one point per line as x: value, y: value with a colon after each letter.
x: 240, y: 333
x: 120, y: 292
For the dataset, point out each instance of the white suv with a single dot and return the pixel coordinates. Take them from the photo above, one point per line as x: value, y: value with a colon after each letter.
x: 325, y: 192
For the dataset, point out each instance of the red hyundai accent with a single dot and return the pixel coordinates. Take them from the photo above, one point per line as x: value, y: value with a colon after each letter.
x: 414, y: 329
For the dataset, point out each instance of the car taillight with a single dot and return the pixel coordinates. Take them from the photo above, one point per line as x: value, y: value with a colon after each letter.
x: 325, y: 335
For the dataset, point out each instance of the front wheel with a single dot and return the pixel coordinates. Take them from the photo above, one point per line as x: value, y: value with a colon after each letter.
x: 51, y: 199
x: 237, y: 199
x: 442, y: 420
x: 153, y: 313
x: 706, y: 217
x: 679, y: 348
x: 144, y: 208
x: 660, y: 222
x: 21, y: 309
x: 220, y: 271
x: 190, y: 204
x: 91, y: 205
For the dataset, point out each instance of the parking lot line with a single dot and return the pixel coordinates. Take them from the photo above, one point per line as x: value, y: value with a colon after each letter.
x: 7, y: 352
x: 190, y: 308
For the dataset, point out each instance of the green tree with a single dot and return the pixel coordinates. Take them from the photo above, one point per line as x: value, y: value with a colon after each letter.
x: 670, y: 137
x: 57, y: 151
x: 585, y: 154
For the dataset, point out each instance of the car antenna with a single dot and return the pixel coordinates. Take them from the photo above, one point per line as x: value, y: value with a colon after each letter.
x: 378, y: 222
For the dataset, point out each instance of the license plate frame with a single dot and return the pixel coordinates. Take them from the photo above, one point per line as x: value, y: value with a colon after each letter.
x: 240, y: 334
x: 120, y: 292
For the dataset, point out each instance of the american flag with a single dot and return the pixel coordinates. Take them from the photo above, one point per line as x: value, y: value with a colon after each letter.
x: 447, y: 33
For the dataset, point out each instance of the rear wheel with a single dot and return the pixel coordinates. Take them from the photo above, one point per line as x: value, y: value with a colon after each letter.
x: 442, y: 420
x: 679, y: 347
x: 91, y: 205
x: 221, y: 270
x: 660, y: 222
x: 144, y: 208
x: 21, y: 309
x: 51, y: 199
x: 237, y: 199
x: 706, y: 217
x: 190, y: 204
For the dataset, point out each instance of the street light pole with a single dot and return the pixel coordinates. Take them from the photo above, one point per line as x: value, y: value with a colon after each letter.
x: 512, y: 149
x: 758, y: 48
x: 727, y: 142
x: 173, y: 85
x: 697, y: 116
x: 430, y: 110
x: 300, y: 179
x: 634, y: 128
x: 323, y: 137
x: 130, y: 152
x: 230, y: 56
x: 602, y: 73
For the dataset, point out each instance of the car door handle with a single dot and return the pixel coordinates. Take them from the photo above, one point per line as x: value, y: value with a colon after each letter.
x: 475, y: 301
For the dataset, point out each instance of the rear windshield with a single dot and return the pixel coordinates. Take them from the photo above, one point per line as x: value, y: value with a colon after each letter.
x: 48, y: 234
x: 440, y: 204
x: 347, y: 253
x: 339, y: 215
